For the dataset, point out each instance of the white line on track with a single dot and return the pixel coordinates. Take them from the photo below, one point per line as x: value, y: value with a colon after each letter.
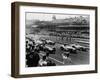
x: 53, y: 59
x: 56, y: 60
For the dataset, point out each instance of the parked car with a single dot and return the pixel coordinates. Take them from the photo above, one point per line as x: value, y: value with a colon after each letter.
x: 68, y: 48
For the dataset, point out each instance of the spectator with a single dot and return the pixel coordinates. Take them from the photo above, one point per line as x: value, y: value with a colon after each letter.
x: 26, y: 43
x: 32, y: 59
x: 50, y: 63
x: 33, y: 45
x: 47, y: 55
x: 66, y: 58
x: 43, y: 61
x: 37, y: 49
x: 27, y: 47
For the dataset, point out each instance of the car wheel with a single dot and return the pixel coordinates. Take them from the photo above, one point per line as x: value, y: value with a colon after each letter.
x: 75, y: 51
x: 84, y: 49
x: 53, y: 43
x: 61, y: 48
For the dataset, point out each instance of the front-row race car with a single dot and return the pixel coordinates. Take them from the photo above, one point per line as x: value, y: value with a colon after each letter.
x: 79, y: 47
x: 68, y: 48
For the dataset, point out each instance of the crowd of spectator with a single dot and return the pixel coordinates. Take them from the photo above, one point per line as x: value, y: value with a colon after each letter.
x: 33, y: 56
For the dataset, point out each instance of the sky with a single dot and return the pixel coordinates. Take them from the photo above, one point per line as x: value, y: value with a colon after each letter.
x: 48, y: 16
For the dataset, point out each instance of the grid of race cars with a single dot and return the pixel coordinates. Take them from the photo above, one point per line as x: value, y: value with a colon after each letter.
x: 51, y: 51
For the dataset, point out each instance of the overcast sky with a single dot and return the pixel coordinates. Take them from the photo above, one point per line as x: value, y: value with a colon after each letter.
x: 47, y: 17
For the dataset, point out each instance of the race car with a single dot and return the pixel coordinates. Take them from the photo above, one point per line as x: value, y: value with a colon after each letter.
x: 43, y: 40
x: 38, y: 42
x: 50, y: 42
x: 68, y: 48
x: 79, y: 47
x: 47, y: 49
